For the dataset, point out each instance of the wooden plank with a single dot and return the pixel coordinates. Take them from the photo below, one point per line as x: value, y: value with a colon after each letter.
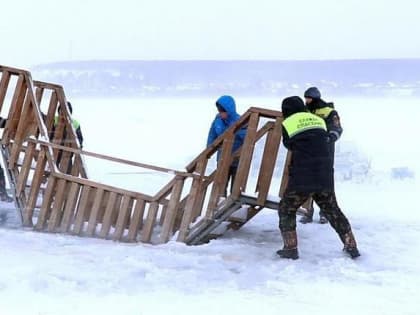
x: 114, y: 159
x: 84, y: 181
x: 285, y: 177
x: 13, y: 70
x: 15, y: 110
x: 246, y: 157
x: 171, y: 211
x: 4, y: 84
x: 47, y: 85
x: 57, y: 208
x: 93, y: 218
x: 147, y: 230
x: 268, y: 163
x: 102, y: 208
x: 52, y: 109
x: 122, y: 219
x: 70, y: 208
x: 163, y: 214
x: 189, y: 210
x: 267, y: 113
x: 46, y: 203
x: 80, y: 216
x: 106, y: 223
x: 136, y: 221
x: 39, y: 91
x: 21, y: 132
x: 221, y: 177
x: 26, y: 167
x: 34, y: 190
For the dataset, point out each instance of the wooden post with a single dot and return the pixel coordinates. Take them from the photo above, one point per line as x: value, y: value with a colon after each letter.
x: 147, y: 230
x: 136, y: 222
x: 93, y: 218
x: 34, y: 191
x: 268, y: 163
x: 189, y: 210
x: 46, y: 204
x: 80, y: 216
x: 57, y: 209
x: 171, y: 210
x: 70, y: 208
x: 21, y: 132
x: 4, y: 83
x: 26, y: 167
x: 246, y: 157
x: 15, y: 110
x: 123, y: 215
x: 106, y: 224
x: 221, y: 178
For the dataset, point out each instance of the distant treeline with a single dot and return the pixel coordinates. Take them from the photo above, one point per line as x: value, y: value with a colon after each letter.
x: 249, y: 78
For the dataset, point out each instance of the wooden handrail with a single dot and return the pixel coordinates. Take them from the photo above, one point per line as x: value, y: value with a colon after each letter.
x: 114, y: 159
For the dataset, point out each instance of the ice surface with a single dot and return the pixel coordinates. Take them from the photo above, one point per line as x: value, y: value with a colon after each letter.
x: 239, y: 273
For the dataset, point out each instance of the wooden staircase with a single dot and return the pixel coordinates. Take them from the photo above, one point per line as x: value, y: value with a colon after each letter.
x: 43, y: 158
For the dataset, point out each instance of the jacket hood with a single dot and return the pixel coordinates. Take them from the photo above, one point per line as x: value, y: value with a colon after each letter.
x: 319, y: 103
x: 292, y: 105
x: 228, y: 104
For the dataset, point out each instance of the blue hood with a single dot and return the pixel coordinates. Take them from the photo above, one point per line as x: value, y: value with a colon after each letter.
x: 228, y: 104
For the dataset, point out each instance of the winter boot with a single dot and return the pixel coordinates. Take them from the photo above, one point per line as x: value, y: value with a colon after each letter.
x: 289, y: 249
x: 350, y: 245
x: 322, y: 218
x: 307, y: 217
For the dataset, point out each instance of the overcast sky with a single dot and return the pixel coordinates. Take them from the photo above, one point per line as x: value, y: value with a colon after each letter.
x: 33, y: 32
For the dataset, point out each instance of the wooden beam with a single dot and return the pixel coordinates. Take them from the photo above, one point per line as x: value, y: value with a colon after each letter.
x: 122, y: 219
x: 268, y: 163
x: 57, y: 209
x: 80, y: 216
x: 107, y: 221
x: 246, y: 157
x: 84, y: 181
x: 34, y: 190
x: 147, y: 230
x: 70, y: 208
x: 113, y: 159
x: 93, y: 218
x: 171, y: 211
x: 46, y: 204
x: 136, y: 222
x: 4, y: 84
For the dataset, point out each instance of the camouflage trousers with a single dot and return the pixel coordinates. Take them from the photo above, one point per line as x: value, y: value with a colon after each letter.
x: 327, y: 201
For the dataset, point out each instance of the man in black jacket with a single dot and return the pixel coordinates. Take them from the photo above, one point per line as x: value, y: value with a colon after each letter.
x: 326, y: 111
x: 311, y: 174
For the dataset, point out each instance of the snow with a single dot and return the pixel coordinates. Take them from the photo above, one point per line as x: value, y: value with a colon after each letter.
x: 46, y: 274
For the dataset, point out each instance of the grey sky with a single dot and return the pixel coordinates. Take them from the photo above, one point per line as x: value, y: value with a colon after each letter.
x: 33, y: 32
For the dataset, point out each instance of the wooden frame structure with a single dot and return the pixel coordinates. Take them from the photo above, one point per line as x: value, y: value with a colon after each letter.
x: 43, y: 156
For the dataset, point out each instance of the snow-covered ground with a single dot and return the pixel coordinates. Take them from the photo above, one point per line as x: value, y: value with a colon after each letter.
x: 45, y: 274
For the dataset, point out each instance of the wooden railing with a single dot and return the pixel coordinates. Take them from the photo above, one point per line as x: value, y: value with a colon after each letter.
x: 51, y: 164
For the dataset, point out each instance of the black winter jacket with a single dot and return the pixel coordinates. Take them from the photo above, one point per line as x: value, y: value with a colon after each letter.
x: 311, y: 168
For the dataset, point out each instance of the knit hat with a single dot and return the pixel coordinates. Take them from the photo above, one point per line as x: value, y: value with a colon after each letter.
x: 313, y: 92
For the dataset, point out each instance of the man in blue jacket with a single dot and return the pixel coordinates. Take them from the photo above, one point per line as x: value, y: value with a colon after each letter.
x: 226, y: 117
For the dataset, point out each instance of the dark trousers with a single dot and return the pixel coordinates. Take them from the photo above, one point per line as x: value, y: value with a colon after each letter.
x: 327, y: 201
x: 231, y: 179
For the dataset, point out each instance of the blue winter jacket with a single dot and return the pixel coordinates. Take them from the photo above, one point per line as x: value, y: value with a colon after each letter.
x: 220, y: 125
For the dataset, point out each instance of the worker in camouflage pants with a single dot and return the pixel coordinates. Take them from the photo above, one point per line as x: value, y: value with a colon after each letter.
x: 311, y: 174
